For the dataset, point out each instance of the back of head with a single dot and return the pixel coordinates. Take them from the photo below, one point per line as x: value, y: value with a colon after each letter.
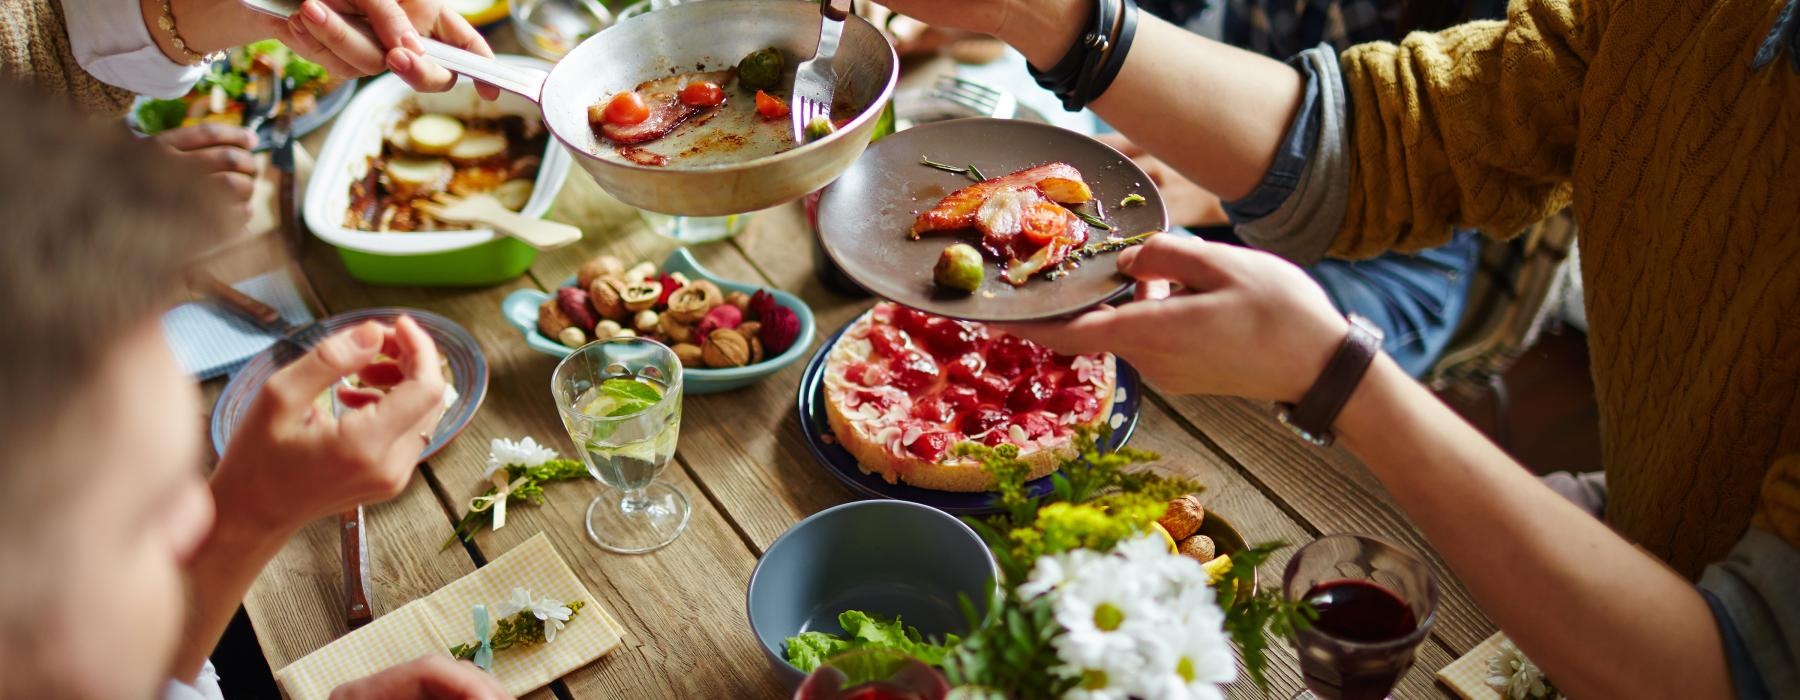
x: 96, y: 229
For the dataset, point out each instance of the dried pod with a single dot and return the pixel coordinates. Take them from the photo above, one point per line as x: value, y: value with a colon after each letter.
x: 607, y: 294
x: 726, y: 348
x: 738, y: 299
x: 692, y: 357
x: 1183, y: 517
x: 750, y: 329
x: 607, y: 329
x: 644, y: 321
x: 641, y: 295
x: 572, y: 337
x: 674, y: 330
x: 574, y: 304
x: 1200, y: 547
x: 641, y: 272
x: 780, y: 328
x: 603, y: 266
x: 551, y: 319
x: 756, y: 348
x: 690, y: 303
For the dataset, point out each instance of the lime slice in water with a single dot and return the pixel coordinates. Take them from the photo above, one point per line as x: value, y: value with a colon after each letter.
x: 622, y: 396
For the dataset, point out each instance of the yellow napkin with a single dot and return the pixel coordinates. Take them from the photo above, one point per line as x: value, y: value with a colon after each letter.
x: 433, y: 624
x: 1467, y: 676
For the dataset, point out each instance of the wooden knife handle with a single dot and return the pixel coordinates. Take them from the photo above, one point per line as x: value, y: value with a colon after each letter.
x: 214, y: 288
x: 357, y: 611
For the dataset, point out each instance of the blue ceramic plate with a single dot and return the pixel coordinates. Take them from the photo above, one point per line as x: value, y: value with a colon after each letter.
x: 817, y: 429
x: 521, y: 310
x: 468, y: 373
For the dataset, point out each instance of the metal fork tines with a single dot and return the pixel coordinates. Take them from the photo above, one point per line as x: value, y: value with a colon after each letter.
x: 985, y: 100
x: 815, y: 80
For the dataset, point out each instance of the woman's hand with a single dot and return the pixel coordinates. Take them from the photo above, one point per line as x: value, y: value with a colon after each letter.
x: 1244, y: 323
x: 223, y: 154
x: 425, y: 678
x: 1188, y: 203
x: 291, y: 461
x: 320, y: 32
x: 1043, y: 30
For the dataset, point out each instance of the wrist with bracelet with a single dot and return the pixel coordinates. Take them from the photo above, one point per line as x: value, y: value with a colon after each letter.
x: 166, y: 23
x: 1313, y: 416
x: 1089, y: 67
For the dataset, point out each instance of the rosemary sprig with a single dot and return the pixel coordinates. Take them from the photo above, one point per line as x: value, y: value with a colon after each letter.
x: 531, y: 491
x: 968, y: 171
x: 523, y: 629
x: 976, y: 173
x: 1092, y: 220
x: 1130, y: 199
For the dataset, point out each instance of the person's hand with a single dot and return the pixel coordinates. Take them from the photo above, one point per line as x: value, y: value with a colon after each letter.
x: 291, y: 461
x: 1244, y: 323
x: 1188, y: 204
x: 223, y: 154
x: 320, y: 32
x: 425, y: 678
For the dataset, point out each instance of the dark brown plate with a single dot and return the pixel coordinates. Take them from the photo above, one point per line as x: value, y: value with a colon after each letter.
x: 864, y: 216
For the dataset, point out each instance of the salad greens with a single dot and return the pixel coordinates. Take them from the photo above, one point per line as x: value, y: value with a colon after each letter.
x: 810, y: 650
x: 233, y: 77
x: 157, y: 116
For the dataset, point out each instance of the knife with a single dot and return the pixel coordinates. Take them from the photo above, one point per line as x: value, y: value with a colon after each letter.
x: 355, y: 549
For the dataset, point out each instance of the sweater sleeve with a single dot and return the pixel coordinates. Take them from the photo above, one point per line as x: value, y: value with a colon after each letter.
x: 1473, y: 127
x: 35, y: 50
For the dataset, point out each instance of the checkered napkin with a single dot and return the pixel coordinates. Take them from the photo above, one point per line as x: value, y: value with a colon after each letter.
x: 210, y: 341
x: 433, y: 624
x: 1467, y: 676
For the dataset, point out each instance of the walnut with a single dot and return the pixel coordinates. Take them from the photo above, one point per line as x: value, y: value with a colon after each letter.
x: 726, y: 348
x: 738, y: 299
x: 1200, y: 547
x: 641, y: 295
x: 691, y: 302
x: 674, y: 330
x: 607, y: 294
x: 1183, y: 517
x: 551, y: 319
x: 603, y: 266
x: 691, y: 355
x: 750, y: 329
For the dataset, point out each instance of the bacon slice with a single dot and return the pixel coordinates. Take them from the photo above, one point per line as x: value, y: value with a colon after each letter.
x: 663, y: 97
x: 1059, y: 182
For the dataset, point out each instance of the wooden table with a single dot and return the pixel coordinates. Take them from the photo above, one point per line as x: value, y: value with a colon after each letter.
x: 743, y: 464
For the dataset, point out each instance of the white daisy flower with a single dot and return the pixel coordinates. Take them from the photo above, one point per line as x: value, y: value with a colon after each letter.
x: 1189, y: 660
x: 527, y: 453
x: 553, y: 613
x: 1111, y: 678
x: 521, y: 599
x: 1052, y: 571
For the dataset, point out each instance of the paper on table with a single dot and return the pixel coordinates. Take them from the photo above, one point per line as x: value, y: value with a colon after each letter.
x: 1467, y: 676
x: 433, y: 624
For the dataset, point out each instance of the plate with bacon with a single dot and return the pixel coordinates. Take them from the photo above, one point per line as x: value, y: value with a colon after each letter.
x: 989, y: 219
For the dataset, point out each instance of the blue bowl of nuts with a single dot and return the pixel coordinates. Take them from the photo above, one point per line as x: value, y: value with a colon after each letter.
x: 728, y: 334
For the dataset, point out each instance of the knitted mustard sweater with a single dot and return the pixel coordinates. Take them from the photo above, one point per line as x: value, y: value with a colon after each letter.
x: 1683, y: 167
x: 34, y: 49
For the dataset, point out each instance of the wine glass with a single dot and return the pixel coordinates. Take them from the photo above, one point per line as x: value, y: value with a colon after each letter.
x: 620, y: 400
x: 1375, y: 602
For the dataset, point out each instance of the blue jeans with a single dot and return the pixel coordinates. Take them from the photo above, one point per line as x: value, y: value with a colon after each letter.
x: 1416, y: 300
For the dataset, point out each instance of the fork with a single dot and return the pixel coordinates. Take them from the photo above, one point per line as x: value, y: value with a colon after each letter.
x: 815, y: 80
x: 980, y: 97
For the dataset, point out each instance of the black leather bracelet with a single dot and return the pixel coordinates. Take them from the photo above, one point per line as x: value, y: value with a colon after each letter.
x: 1115, y: 58
x: 1062, y: 77
x: 1072, y: 98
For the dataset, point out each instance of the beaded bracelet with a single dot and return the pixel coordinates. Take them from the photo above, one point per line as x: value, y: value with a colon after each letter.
x: 166, y: 22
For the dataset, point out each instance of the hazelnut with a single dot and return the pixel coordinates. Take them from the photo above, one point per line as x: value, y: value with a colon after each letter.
x: 641, y: 295
x: 607, y: 329
x: 691, y: 355
x: 644, y: 321
x: 726, y: 348
x: 691, y: 302
x: 1200, y: 547
x: 1183, y: 517
x: 603, y: 266
x: 750, y: 329
x: 551, y: 319
x: 607, y: 294
x: 675, y: 331
x: 739, y: 300
x: 642, y: 271
x: 572, y: 337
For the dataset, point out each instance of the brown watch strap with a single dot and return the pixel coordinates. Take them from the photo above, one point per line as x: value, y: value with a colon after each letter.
x: 1313, y: 417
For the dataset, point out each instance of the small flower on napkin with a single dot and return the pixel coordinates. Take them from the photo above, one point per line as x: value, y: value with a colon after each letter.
x: 525, y: 453
x: 1516, y: 677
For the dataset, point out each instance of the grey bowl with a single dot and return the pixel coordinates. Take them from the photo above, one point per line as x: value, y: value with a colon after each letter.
x: 882, y: 557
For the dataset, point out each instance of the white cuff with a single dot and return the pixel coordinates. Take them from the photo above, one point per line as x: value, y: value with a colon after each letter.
x: 112, y: 44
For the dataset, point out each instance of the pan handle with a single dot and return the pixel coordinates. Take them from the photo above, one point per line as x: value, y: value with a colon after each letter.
x: 527, y: 82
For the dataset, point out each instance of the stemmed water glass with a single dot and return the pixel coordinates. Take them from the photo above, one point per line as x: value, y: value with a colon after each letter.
x: 620, y: 400
x: 1375, y: 602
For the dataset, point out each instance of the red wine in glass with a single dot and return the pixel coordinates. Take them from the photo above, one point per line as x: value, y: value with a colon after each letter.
x: 1375, y: 605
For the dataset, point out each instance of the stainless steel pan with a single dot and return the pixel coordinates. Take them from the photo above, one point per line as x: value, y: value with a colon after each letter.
x: 693, y: 36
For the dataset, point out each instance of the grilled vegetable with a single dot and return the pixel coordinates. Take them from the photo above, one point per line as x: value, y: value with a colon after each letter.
x: 761, y: 69
x: 434, y: 133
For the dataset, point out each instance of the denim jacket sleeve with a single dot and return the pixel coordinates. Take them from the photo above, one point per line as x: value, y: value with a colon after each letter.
x: 1298, y: 207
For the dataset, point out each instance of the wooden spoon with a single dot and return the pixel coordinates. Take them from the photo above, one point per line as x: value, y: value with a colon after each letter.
x: 485, y: 210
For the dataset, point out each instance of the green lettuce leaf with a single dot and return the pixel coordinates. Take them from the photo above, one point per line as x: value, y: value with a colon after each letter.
x: 864, y: 631
x: 303, y: 72
x: 157, y: 116
x: 810, y: 650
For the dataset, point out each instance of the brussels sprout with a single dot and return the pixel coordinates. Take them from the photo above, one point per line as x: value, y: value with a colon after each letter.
x: 761, y: 69
x: 819, y: 128
x: 960, y: 267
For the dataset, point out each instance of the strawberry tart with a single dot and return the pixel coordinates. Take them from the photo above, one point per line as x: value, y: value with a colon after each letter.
x: 902, y: 387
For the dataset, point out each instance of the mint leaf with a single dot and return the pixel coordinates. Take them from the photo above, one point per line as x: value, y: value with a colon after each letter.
x: 622, y: 389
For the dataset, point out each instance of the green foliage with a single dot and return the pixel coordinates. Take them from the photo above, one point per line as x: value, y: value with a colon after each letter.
x: 232, y: 82
x: 529, y: 491
x: 157, y: 116
x: 304, y: 72
x: 811, y: 650
x: 1252, y: 620
x: 523, y: 629
x: 1010, y: 649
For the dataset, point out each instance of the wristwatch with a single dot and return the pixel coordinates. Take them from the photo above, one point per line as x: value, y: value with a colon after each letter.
x: 1312, y: 418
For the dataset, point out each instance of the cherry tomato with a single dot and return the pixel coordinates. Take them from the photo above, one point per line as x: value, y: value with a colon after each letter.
x: 702, y: 94
x: 626, y: 108
x: 769, y: 106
